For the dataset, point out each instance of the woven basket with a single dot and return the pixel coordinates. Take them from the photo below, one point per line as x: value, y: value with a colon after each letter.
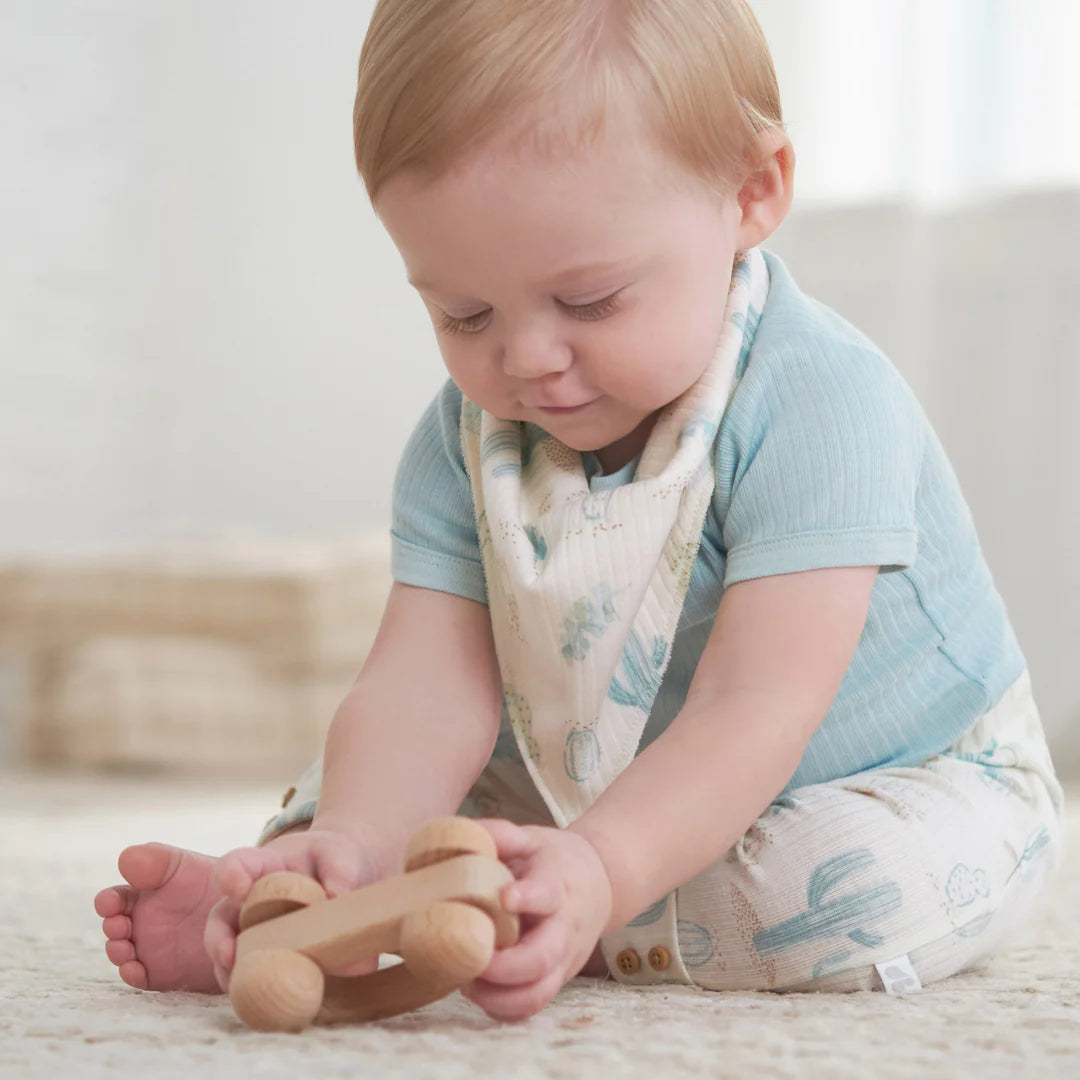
x: 212, y: 658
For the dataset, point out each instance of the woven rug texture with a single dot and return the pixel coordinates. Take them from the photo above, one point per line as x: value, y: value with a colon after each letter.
x: 64, y: 1011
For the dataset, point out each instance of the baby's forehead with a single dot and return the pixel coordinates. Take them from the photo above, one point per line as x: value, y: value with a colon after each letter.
x: 554, y: 220
x: 537, y: 144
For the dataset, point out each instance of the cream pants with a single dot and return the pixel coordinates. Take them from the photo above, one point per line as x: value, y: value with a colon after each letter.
x: 889, y: 878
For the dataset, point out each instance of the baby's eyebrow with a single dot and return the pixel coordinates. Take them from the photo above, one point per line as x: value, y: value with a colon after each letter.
x: 586, y: 270
x: 561, y: 278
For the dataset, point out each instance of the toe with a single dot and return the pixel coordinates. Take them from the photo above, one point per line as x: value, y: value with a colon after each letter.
x: 120, y: 952
x: 119, y: 900
x: 108, y: 902
x: 117, y: 927
x: 149, y: 866
x: 134, y: 974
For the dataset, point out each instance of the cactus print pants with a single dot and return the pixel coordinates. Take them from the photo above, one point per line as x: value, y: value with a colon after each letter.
x: 920, y: 870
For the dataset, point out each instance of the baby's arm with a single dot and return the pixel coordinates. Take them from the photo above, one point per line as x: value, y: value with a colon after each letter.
x: 419, y: 724
x: 406, y: 744
x: 769, y: 673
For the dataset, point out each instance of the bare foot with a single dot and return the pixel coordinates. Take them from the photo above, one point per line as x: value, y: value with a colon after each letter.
x: 155, y: 923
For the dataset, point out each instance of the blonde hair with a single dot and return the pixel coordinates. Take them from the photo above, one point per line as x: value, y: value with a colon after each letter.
x: 439, y: 77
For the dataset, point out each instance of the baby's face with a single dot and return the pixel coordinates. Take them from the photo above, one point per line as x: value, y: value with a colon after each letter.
x: 582, y: 295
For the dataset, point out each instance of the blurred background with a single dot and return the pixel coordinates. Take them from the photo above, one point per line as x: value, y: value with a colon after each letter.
x: 210, y: 359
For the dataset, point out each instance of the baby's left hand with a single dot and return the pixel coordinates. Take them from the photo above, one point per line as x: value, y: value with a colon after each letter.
x: 563, y: 894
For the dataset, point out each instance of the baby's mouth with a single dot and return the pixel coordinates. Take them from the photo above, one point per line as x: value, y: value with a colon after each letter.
x: 561, y: 409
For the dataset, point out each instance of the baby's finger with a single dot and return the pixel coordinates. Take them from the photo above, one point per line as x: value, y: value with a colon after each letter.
x: 236, y: 872
x: 337, y: 866
x: 219, y: 936
x: 518, y: 867
x: 536, y: 953
x: 534, y: 894
x: 511, y: 840
x: 514, y: 1003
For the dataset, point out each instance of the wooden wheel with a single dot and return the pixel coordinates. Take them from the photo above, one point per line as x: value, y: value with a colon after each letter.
x: 277, y: 989
x: 278, y: 894
x: 447, y: 942
x: 444, y: 838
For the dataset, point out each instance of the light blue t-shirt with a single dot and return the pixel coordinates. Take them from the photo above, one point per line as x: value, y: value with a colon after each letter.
x: 824, y: 458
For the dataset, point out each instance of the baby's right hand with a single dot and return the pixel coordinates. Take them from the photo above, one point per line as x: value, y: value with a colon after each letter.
x: 337, y: 860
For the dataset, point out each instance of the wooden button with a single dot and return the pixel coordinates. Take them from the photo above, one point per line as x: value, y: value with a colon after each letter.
x: 659, y: 958
x: 628, y: 962
x: 288, y: 797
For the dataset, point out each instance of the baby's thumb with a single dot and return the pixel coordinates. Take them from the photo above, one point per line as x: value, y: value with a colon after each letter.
x: 338, y: 870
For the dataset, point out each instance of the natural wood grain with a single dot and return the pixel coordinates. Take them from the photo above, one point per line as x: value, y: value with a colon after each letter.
x: 443, y: 917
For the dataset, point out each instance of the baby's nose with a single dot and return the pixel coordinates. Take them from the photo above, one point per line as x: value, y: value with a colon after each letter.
x: 532, y: 356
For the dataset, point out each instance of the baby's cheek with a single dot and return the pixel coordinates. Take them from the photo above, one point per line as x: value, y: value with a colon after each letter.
x: 652, y: 386
x: 476, y: 384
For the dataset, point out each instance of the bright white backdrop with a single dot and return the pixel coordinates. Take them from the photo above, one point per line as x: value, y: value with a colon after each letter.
x: 935, y: 102
x: 203, y: 329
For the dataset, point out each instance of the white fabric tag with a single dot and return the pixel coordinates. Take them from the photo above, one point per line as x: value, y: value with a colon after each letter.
x: 899, y: 976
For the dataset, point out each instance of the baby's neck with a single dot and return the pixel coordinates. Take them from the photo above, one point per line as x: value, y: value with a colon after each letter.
x: 616, y: 455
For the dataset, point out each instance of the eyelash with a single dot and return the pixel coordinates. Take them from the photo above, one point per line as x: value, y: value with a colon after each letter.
x: 587, y: 312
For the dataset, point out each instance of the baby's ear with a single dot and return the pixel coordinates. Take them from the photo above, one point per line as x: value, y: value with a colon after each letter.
x: 766, y: 192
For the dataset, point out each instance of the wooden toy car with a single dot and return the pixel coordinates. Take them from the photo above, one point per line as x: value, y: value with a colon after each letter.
x: 443, y: 917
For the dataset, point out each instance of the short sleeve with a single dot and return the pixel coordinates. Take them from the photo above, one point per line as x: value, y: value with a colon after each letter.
x: 821, y: 447
x: 433, y: 541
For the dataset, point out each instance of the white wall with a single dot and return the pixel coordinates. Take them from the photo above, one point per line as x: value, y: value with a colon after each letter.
x: 203, y: 325
x: 203, y: 329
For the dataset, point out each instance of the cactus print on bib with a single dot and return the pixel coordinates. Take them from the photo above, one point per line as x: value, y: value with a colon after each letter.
x: 585, y: 588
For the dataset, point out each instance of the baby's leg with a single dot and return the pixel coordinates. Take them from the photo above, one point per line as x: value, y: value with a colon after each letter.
x: 936, y: 864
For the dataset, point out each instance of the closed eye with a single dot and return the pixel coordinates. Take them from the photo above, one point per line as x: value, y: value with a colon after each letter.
x: 596, y: 310
x: 469, y: 325
x: 473, y: 324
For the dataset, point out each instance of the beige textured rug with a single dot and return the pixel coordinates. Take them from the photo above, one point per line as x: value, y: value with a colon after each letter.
x: 65, y: 1013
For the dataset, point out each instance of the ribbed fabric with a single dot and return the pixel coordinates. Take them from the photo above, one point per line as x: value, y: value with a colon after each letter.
x: 824, y: 458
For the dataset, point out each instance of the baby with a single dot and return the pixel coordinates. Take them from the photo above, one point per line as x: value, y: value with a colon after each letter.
x: 688, y: 609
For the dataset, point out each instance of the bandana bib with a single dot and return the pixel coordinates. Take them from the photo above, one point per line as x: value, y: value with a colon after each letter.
x: 585, y: 589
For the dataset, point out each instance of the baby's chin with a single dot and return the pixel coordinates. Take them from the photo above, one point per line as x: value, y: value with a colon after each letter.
x: 619, y: 442
x: 592, y: 429
x: 570, y: 435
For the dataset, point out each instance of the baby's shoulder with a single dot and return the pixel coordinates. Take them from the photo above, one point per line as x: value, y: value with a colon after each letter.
x: 432, y: 452
x: 440, y: 423
x: 446, y: 407
x: 815, y: 390
x: 803, y: 349
x: 794, y: 324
